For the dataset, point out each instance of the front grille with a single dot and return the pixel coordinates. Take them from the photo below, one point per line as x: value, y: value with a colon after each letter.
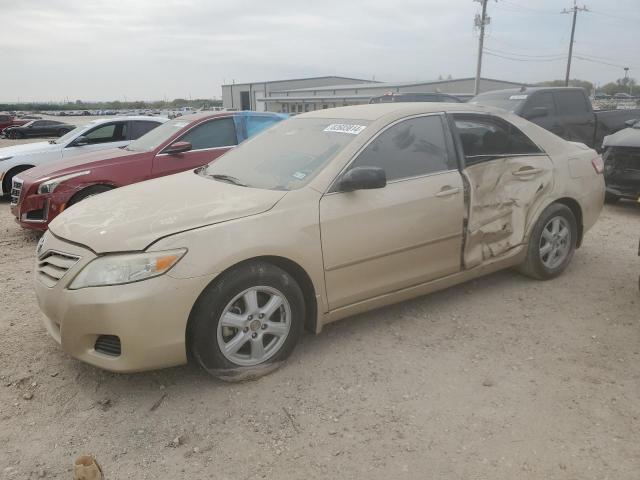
x: 16, y: 188
x: 52, y: 266
x: 108, y: 345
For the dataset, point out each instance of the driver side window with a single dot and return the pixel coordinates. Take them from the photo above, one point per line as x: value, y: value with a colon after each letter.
x: 112, y: 132
x: 410, y: 148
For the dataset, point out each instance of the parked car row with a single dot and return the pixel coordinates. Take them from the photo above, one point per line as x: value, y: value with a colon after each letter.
x: 321, y: 216
x: 110, y: 153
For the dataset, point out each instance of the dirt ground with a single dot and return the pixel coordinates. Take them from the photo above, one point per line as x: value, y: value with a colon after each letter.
x: 500, y: 378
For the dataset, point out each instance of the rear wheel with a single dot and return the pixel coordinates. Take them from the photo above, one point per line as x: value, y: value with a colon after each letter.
x: 247, y: 323
x: 89, y: 192
x: 552, y: 243
x: 16, y: 135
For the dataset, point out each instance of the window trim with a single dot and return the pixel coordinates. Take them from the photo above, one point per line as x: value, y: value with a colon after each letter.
x: 463, y: 158
x: 208, y: 120
x: 333, y: 185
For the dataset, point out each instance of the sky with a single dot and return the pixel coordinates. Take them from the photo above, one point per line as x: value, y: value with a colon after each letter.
x: 56, y: 50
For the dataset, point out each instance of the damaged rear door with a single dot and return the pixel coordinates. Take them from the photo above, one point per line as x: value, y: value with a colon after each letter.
x: 506, y: 175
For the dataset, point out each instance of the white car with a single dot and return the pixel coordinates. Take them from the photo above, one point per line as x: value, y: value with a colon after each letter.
x: 96, y: 135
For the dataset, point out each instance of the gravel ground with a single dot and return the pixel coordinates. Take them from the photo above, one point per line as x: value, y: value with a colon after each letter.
x: 500, y: 378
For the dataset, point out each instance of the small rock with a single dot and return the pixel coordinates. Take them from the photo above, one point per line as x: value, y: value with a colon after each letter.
x: 196, y: 450
x: 34, y: 384
x: 139, y: 432
x: 176, y: 442
x: 42, y: 473
x: 487, y: 383
x: 563, y: 466
x: 27, y: 396
x: 54, y: 374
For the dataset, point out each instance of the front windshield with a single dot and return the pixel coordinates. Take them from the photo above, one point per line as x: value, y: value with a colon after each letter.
x: 156, y: 137
x: 69, y: 136
x: 508, y: 101
x: 287, y: 155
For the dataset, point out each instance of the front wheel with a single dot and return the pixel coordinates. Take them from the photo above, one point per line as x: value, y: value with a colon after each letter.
x: 247, y: 323
x: 552, y: 243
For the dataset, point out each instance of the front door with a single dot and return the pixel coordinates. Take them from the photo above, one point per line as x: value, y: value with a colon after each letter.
x: 110, y: 135
x: 208, y: 141
x: 409, y: 232
x: 507, y: 175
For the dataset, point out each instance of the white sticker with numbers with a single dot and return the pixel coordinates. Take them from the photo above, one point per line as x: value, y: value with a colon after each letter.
x: 345, y: 128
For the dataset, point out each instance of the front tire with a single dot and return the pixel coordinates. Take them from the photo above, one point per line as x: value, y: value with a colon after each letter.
x: 552, y: 243
x: 247, y: 323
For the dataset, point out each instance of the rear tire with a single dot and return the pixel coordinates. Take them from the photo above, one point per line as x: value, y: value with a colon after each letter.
x: 89, y: 192
x: 235, y: 338
x: 552, y: 243
x: 16, y: 135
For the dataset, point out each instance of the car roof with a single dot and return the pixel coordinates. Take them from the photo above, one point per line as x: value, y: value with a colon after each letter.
x: 529, y: 90
x: 98, y: 121
x: 378, y: 110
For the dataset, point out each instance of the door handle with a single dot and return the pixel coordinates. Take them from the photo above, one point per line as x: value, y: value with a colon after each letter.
x: 526, y: 171
x: 447, y: 191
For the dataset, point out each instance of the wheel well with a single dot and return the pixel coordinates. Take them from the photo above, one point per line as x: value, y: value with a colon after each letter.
x: 300, y: 276
x: 6, y: 186
x: 72, y: 200
x: 577, y: 212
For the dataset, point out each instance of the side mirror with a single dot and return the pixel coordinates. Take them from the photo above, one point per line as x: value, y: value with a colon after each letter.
x: 178, y: 147
x: 81, y: 141
x: 537, y: 112
x: 363, y: 178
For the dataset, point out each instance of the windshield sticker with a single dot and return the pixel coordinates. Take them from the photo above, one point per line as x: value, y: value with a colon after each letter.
x: 345, y: 128
x: 518, y: 97
x: 299, y: 175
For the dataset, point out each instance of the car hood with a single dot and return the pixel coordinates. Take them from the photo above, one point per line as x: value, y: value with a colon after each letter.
x: 79, y: 163
x: 133, y: 217
x: 28, y: 149
x: 628, y: 137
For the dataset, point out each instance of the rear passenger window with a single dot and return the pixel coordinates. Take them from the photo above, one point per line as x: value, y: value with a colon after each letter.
x: 544, y: 99
x: 256, y: 124
x: 140, y: 127
x: 409, y: 149
x: 212, y: 134
x: 486, y: 138
x: 571, y: 102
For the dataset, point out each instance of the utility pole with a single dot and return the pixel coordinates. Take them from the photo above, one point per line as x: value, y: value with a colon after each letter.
x: 480, y: 21
x: 575, y: 11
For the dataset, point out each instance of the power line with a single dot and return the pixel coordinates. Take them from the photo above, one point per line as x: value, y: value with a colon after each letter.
x: 488, y: 52
x: 495, y: 50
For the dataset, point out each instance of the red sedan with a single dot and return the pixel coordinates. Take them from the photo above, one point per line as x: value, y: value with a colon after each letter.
x: 40, y: 194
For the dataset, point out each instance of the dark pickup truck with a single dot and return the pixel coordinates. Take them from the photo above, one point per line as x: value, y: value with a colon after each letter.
x: 565, y: 111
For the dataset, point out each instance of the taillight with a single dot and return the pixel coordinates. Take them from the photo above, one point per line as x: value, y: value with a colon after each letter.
x: 598, y: 165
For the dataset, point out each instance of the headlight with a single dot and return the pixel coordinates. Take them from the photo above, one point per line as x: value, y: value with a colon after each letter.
x: 50, y: 185
x: 2, y: 159
x: 118, y: 269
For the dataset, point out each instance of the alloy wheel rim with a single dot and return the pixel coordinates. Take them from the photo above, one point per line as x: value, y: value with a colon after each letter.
x: 254, y: 325
x: 555, y: 242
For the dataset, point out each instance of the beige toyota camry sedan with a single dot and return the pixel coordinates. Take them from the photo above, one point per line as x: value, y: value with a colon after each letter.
x: 322, y: 216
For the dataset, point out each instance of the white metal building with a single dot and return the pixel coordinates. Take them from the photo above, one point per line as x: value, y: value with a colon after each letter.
x: 308, y: 94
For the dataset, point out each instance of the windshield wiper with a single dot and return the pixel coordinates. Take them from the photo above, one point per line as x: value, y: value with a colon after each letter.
x: 228, y: 178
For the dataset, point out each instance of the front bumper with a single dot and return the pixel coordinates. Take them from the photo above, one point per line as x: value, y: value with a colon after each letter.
x: 148, y: 317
